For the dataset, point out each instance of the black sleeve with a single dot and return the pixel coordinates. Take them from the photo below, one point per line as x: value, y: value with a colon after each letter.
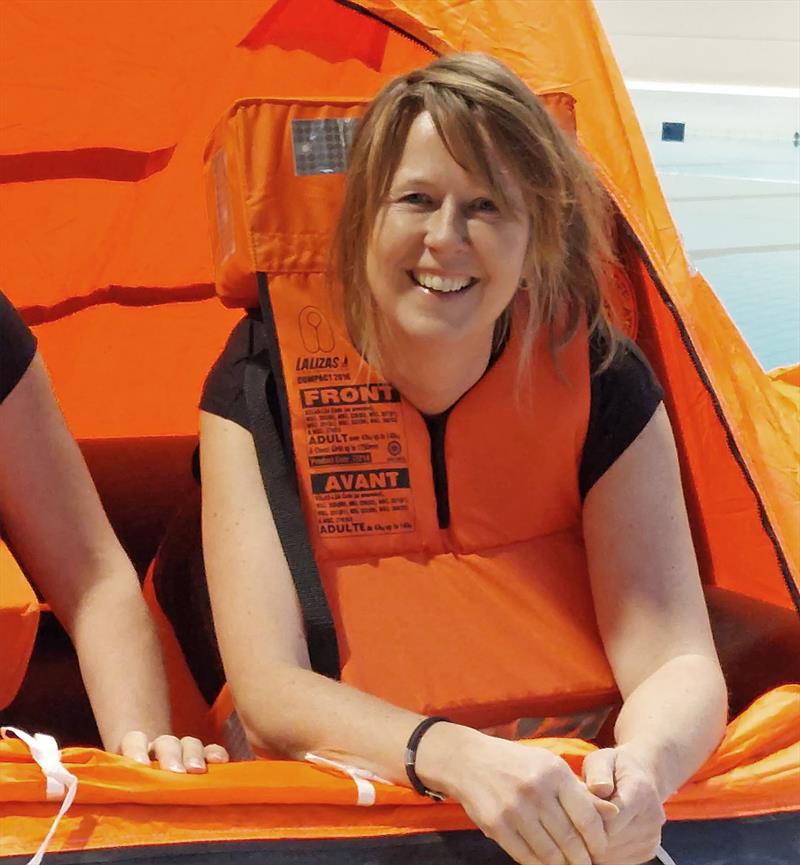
x: 17, y: 347
x: 223, y: 392
x: 623, y: 399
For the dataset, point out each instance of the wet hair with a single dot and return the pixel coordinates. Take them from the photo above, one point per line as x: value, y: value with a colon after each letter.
x: 487, y: 118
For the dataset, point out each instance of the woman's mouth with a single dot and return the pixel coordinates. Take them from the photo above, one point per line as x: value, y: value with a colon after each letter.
x: 442, y: 284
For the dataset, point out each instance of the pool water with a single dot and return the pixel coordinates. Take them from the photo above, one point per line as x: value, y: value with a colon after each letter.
x: 737, y: 207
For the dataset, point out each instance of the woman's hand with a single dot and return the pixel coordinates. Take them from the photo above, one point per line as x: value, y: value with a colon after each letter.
x: 525, y: 798
x: 173, y: 754
x: 634, y: 834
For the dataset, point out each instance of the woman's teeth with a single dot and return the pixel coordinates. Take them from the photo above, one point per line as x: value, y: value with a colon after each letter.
x: 443, y: 283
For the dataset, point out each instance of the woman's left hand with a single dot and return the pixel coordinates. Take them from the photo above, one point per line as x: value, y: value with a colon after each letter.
x: 173, y: 754
x: 634, y: 834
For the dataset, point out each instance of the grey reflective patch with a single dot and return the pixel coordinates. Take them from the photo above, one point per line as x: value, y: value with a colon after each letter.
x: 580, y: 725
x: 321, y: 146
x: 234, y: 739
x: 225, y: 237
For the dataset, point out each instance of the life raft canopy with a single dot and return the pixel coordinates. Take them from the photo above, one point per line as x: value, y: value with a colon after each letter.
x: 106, y: 245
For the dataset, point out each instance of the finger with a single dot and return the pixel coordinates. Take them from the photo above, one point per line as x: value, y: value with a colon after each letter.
x: 193, y: 755
x: 587, y: 819
x: 520, y: 851
x: 642, y: 831
x: 637, y: 798
x: 607, y: 810
x: 633, y: 853
x: 134, y: 745
x: 216, y: 754
x: 507, y: 837
x: 562, y: 831
x: 169, y: 753
x: 542, y: 846
x: 637, y: 804
x: 598, y: 772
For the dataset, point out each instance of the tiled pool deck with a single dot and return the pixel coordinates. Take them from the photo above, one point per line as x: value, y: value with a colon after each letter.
x: 737, y: 206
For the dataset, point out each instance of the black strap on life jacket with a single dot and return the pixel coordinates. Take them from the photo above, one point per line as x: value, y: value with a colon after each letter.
x: 277, y: 474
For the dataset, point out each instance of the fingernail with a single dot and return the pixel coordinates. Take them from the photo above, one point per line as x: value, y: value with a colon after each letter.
x: 195, y: 764
x: 177, y: 767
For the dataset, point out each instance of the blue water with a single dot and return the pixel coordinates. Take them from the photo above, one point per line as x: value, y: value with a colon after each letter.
x: 737, y: 207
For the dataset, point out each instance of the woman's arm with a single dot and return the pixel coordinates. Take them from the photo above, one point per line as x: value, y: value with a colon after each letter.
x: 53, y: 516
x: 512, y: 792
x: 282, y: 704
x: 652, y: 614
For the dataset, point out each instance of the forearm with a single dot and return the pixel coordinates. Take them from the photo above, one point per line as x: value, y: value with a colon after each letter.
x: 674, y: 719
x: 120, y: 659
x: 296, y: 711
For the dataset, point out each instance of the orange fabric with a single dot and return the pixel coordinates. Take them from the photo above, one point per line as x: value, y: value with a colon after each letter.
x: 392, y: 576
x: 757, y: 762
x: 133, y: 371
x: 139, y: 230
x: 750, y: 774
x: 253, y: 196
x: 786, y: 381
x: 111, y: 209
x: 19, y: 619
x: 733, y: 549
x: 503, y: 582
x: 789, y: 375
x: 100, y: 202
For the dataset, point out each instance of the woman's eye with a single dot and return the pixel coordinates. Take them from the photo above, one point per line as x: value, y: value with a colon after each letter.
x: 418, y: 198
x: 484, y: 205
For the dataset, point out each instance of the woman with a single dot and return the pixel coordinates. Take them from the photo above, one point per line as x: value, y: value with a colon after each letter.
x: 471, y: 250
x: 53, y: 518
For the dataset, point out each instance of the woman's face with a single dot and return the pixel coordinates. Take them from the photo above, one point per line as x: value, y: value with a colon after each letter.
x: 443, y: 262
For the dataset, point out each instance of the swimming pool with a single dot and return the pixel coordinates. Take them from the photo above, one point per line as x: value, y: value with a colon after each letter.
x: 737, y: 206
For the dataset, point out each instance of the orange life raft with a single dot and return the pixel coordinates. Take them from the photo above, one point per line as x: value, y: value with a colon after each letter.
x: 106, y: 254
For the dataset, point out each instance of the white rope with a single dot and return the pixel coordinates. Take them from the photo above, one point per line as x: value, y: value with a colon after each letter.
x: 60, y: 783
x: 664, y: 857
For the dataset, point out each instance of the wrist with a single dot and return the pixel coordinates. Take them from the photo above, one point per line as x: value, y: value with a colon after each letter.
x: 440, y: 754
x: 648, y: 758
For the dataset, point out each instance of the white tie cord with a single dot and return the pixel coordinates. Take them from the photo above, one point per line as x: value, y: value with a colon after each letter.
x: 362, y: 778
x: 61, y: 783
x: 664, y: 857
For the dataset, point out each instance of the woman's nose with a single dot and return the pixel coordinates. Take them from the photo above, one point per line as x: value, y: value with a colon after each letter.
x: 446, y: 227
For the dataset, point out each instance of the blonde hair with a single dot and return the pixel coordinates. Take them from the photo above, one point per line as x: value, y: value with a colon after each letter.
x: 485, y: 114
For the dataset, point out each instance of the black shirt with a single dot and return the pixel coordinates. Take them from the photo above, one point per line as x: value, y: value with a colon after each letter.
x: 17, y: 347
x: 623, y: 397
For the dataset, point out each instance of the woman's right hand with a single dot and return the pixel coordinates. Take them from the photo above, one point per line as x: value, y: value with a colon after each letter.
x: 525, y: 798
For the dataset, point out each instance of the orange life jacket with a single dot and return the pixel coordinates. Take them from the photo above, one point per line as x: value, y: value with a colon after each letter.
x: 488, y: 617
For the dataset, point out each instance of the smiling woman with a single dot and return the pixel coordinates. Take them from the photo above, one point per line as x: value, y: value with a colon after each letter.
x: 444, y: 263
x: 474, y: 191
x: 490, y: 495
